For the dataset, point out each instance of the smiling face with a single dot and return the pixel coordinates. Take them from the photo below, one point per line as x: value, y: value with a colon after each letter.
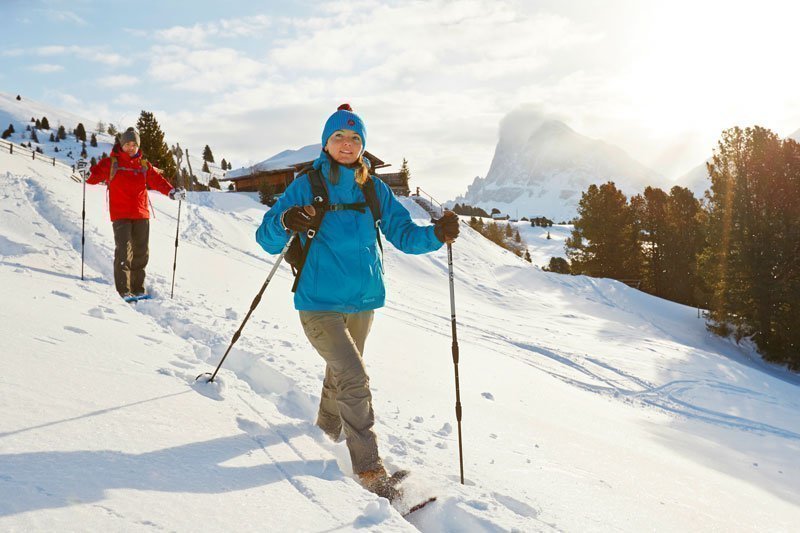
x: 344, y: 146
x: 130, y: 148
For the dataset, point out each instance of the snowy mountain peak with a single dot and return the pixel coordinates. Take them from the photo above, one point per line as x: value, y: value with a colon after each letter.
x: 541, y: 166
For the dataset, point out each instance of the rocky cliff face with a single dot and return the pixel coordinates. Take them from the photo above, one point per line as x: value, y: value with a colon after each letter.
x: 541, y: 167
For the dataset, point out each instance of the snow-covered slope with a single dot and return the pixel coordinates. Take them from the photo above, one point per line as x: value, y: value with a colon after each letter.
x: 541, y: 167
x: 19, y: 113
x: 588, y: 406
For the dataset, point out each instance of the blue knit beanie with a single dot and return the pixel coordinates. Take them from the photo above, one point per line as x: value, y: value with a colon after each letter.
x: 344, y: 119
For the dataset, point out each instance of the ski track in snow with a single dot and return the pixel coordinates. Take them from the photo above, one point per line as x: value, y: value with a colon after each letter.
x: 250, y: 366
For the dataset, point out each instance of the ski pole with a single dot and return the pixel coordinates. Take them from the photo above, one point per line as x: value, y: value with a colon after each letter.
x: 253, y: 306
x: 455, y: 356
x: 175, y: 259
x: 83, y: 224
x: 82, y: 164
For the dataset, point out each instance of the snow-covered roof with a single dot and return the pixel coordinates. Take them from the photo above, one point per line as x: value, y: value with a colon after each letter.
x: 285, y: 159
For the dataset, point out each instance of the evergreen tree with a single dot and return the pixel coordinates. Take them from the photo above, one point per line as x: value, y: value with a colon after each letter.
x: 84, y: 154
x: 224, y: 164
x: 205, y: 166
x: 153, y: 147
x: 404, y: 170
x: 93, y: 140
x: 650, y: 212
x: 604, y: 242
x: 38, y: 124
x: 53, y: 138
x: 101, y: 127
x: 528, y: 256
x: 265, y: 193
x: 80, y: 132
x: 112, y: 129
x: 62, y: 133
x: 213, y: 182
x: 45, y: 124
x: 207, y: 156
x: 34, y: 137
x: 559, y: 265
x: 494, y: 233
x: 19, y: 98
x: 509, y: 232
x: 93, y: 162
x: 7, y: 132
x: 752, y: 260
x: 684, y: 241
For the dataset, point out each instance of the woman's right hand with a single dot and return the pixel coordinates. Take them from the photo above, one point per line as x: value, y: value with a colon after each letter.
x: 298, y: 219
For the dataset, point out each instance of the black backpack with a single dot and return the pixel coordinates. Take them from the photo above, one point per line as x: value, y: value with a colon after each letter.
x: 297, y: 253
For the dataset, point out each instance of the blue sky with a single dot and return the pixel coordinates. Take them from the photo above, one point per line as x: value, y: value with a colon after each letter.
x: 431, y: 79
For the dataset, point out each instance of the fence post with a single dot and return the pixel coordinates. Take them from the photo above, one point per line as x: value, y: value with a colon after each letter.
x: 34, y: 155
x: 10, y: 148
x: 54, y: 161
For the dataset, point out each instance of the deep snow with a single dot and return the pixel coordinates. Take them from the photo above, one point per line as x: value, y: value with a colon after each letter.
x: 588, y: 406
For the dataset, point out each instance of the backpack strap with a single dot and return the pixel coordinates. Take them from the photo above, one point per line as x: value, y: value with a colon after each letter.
x: 371, y: 196
x: 319, y: 193
x: 115, y: 167
x: 113, y: 171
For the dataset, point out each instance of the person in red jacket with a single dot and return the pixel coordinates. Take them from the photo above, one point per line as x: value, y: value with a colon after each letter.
x: 129, y: 176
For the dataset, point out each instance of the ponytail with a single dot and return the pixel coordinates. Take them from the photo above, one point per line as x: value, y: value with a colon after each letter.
x: 362, y: 171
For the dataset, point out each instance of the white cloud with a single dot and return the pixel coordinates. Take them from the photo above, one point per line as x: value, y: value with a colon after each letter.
x: 46, y: 68
x: 127, y: 100
x: 205, y: 70
x: 62, y: 16
x: 97, y: 55
x: 198, y: 35
x: 122, y: 80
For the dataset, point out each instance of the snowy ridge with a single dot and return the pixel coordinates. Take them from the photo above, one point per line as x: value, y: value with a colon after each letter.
x: 587, y: 405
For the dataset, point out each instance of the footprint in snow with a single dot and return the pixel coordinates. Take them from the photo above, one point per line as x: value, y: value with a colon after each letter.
x: 62, y: 294
x: 488, y: 395
x: 76, y: 330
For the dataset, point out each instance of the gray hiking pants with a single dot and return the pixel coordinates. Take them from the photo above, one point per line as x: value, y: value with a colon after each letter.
x: 346, y: 399
x: 131, y: 237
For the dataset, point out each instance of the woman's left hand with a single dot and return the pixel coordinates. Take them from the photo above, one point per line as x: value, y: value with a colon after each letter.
x: 447, y: 227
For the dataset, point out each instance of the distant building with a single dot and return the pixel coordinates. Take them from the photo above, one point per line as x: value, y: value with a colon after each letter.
x: 397, y: 181
x: 281, y: 169
x: 500, y: 216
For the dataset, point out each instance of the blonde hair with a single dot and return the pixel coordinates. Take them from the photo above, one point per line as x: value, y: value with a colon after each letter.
x: 362, y: 172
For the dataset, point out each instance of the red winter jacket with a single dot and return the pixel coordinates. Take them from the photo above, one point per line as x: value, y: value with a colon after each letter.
x: 127, y: 192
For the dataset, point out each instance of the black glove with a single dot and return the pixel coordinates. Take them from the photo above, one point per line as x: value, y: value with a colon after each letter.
x: 299, y: 219
x: 447, y: 227
x: 177, y: 194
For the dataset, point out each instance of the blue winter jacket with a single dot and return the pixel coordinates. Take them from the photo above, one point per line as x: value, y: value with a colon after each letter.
x: 343, y: 270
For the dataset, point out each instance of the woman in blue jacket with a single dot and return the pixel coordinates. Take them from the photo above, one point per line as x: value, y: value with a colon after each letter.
x: 342, y: 279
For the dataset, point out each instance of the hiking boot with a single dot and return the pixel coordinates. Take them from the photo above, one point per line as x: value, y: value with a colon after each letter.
x: 379, y: 482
